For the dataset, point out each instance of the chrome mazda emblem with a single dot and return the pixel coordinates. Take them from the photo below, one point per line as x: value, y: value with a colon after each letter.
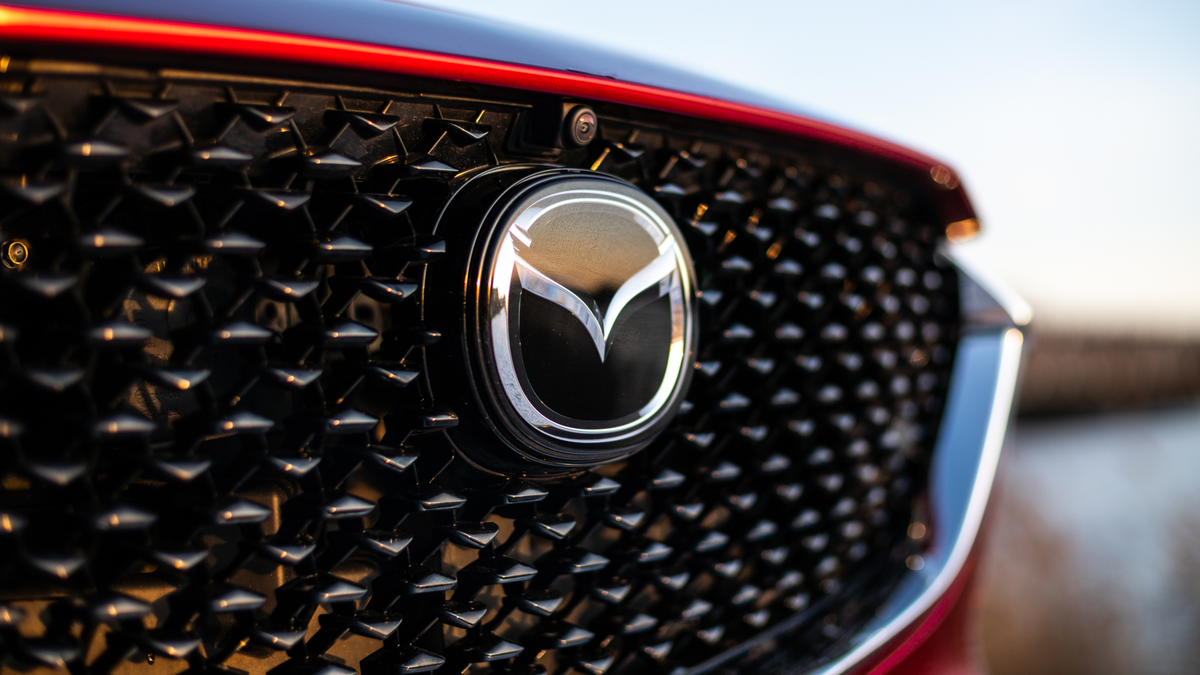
x: 586, y: 316
x: 663, y: 272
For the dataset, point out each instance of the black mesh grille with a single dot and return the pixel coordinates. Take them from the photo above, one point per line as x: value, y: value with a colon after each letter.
x: 219, y: 450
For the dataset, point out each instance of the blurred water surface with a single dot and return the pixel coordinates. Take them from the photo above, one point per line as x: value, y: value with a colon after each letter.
x: 1094, y: 561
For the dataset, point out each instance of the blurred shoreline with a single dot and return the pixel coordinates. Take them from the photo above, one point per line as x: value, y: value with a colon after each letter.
x: 1069, y: 373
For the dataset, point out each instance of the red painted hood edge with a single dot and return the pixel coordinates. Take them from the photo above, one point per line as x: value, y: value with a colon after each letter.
x: 901, y: 651
x: 62, y: 27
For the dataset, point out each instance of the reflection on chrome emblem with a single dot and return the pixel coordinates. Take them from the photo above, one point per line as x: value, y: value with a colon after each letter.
x: 589, y: 312
x: 662, y: 271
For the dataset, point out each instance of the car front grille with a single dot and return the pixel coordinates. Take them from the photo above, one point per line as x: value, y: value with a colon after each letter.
x: 221, y: 450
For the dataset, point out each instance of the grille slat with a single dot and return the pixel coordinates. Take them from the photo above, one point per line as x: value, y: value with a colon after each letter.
x: 221, y: 448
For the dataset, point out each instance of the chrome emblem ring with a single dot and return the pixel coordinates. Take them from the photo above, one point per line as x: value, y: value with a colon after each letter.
x: 586, y: 316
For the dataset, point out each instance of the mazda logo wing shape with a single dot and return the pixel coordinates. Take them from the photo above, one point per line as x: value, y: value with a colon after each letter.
x: 600, y: 324
x: 608, y: 254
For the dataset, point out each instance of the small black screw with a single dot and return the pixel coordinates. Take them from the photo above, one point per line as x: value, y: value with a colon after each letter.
x: 581, y: 126
x: 14, y: 253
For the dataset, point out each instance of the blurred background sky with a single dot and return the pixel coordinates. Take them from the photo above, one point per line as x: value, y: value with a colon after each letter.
x: 1074, y: 125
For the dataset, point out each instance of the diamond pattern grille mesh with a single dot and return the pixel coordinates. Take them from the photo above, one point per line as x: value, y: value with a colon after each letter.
x: 219, y: 453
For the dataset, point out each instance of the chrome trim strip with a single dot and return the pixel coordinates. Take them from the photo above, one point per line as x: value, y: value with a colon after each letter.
x: 984, y: 381
x: 978, y: 407
x: 985, y: 300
